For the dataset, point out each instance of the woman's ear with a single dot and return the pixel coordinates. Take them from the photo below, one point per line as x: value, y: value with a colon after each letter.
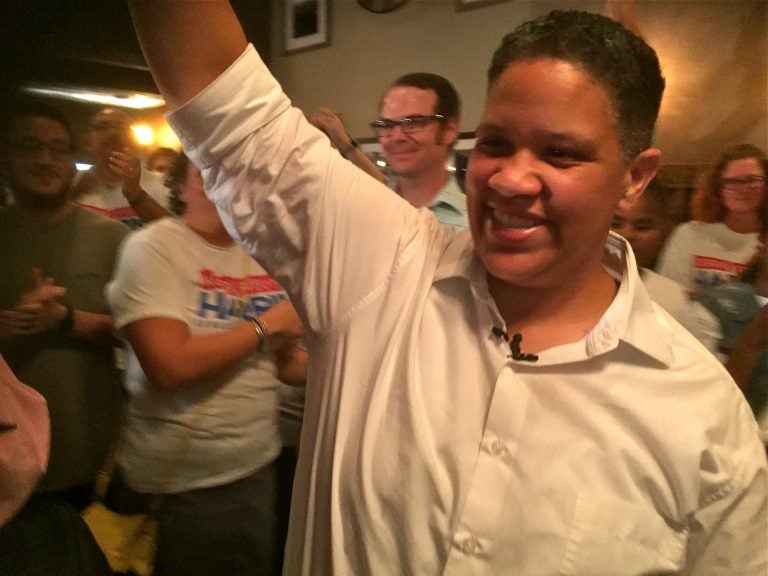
x: 642, y: 169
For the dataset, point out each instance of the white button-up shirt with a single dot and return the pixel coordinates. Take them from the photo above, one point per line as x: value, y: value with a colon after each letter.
x: 426, y: 449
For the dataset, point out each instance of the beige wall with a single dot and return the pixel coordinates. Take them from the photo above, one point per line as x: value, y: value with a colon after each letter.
x: 714, y: 54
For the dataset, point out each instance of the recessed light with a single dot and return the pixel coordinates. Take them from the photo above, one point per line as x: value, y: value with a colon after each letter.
x: 133, y: 100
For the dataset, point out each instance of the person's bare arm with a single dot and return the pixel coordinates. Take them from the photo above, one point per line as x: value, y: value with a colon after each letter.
x: 40, y: 311
x: 332, y: 126
x: 187, y: 43
x: 127, y: 166
x: 172, y: 357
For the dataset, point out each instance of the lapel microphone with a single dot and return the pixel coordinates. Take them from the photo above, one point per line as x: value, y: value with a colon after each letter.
x: 514, y: 345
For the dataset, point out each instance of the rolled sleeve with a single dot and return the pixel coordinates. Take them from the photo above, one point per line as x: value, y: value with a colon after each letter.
x: 236, y: 104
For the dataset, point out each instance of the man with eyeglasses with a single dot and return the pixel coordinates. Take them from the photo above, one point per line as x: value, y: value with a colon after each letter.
x: 417, y: 127
x: 117, y: 186
x: 55, y: 325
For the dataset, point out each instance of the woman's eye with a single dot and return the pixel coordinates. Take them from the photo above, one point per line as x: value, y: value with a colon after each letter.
x: 492, y: 146
x: 562, y: 156
x: 560, y: 153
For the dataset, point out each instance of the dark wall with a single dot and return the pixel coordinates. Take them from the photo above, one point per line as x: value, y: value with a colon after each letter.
x: 89, y: 43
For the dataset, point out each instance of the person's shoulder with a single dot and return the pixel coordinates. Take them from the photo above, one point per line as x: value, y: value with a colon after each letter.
x: 664, y: 291
x: 160, y: 232
x: 692, y: 370
x: 154, y: 185
x: 98, y: 222
x: 161, y: 239
x: 654, y: 281
x: 690, y: 228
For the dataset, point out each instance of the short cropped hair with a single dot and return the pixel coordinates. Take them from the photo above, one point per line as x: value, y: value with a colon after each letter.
x: 162, y: 152
x: 619, y: 60
x: 448, y: 103
x: 707, y: 205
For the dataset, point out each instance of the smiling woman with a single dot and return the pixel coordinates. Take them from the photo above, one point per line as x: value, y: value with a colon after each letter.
x: 418, y: 421
x: 728, y: 215
x: 544, y: 180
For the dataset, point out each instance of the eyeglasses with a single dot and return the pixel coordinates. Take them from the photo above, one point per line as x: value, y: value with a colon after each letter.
x: 57, y: 150
x: 408, y: 124
x: 749, y: 181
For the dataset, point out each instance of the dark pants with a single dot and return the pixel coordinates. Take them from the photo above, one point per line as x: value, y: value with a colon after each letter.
x: 286, y: 468
x: 48, y: 537
x: 226, y: 530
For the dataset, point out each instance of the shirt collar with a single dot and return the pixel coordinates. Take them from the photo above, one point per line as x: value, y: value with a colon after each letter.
x: 630, y: 319
x: 451, y: 196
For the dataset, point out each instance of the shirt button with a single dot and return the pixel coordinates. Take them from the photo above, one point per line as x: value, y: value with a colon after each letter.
x: 497, y: 447
x: 469, y: 546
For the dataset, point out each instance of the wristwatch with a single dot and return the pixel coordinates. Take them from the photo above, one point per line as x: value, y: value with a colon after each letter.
x: 348, y: 148
x: 68, y: 322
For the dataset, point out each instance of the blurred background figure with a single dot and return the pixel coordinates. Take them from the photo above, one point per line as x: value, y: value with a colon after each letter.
x: 646, y: 222
x: 55, y: 325
x: 161, y: 160
x: 55, y: 333
x: 201, y: 429
x: 116, y: 185
x: 742, y: 309
x: 25, y: 439
x: 727, y: 216
x: 38, y: 537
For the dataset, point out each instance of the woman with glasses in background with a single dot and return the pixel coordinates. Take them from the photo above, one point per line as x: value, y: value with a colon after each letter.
x: 727, y: 217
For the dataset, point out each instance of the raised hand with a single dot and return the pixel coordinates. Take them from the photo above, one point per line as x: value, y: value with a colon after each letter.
x: 327, y: 121
x: 126, y: 165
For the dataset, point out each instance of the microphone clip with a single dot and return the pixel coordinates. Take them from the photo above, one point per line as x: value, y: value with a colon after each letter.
x: 514, y: 345
x: 517, y: 354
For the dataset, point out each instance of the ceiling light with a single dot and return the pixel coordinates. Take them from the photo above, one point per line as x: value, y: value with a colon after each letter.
x: 143, y: 134
x: 134, y: 100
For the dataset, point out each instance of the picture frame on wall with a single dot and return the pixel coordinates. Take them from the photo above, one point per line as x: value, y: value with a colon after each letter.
x: 307, y: 25
x: 462, y: 5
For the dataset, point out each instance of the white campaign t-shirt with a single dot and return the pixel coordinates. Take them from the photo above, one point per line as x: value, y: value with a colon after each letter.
x: 230, y: 421
x: 701, y: 255
x: 108, y: 199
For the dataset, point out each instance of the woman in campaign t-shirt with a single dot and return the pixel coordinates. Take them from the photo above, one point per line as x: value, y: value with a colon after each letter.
x: 716, y: 245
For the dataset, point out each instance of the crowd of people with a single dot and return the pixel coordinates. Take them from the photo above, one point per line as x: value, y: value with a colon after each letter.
x: 546, y: 368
